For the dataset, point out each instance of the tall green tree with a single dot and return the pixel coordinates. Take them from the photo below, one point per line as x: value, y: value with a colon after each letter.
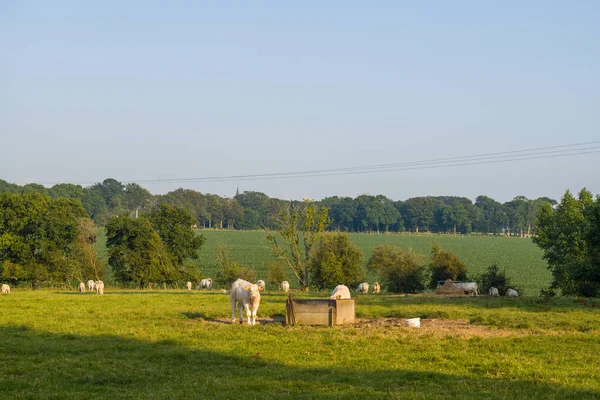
x: 174, y: 225
x: 402, y: 271
x: 567, y: 237
x: 136, y: 252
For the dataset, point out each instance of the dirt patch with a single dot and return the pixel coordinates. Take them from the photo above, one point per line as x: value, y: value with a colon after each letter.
x: 460, y: 327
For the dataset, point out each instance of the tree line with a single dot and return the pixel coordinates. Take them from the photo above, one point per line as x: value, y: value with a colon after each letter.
x: 255, y: 210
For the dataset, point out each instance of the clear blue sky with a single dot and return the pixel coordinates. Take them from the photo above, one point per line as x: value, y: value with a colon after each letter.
x: 146, y: 90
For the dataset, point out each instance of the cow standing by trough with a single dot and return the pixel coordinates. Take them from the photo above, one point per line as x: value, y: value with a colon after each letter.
x: 340, y: 292
x: 247, y: 296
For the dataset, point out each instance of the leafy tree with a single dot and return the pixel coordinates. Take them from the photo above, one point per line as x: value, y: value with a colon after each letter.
x: 37, y: 236
x: 567, y: 237
x: 174, y: 225
x: 233, y: 212
x: 84, y: 255
x: 301, y: 224
x: 66, y: 190
x: 275, y: 272
x: 445, y: 265
x: 493, y: 277
x: 136, y: 252
x: 136, y: 198
x: 335, y: 260
x: 402, y: 271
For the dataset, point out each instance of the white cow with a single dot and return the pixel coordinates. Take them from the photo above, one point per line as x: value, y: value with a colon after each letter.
x: 81, y: 287
x: 376, y: 287
x: 90, y: 285
x: 285, y: 286
x: 261, y: 284
x: 468, y: 287
x: 247, y: 296
x: 363, y: 288
x: 493, y: 291
x: 205, y: 284
x: 512, y: 293
x: 99, y: 286
x: 188, y: 285
x: 5, y: 288
x: 340, y: 292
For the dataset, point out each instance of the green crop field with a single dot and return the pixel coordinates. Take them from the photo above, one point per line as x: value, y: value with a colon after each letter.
x: 170, y: 344
x: 521, y: 258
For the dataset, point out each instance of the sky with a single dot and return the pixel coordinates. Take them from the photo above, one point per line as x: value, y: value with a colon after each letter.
x: 152, y: 92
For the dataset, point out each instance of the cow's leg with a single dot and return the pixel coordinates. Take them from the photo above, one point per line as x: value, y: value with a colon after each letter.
x: 248, y: 313
x: 232, y: 309
x: 240, y: 312
x: 254, y: 316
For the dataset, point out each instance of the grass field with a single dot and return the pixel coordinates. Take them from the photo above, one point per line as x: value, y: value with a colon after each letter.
x: 521, y: 258
x: 179, y: 344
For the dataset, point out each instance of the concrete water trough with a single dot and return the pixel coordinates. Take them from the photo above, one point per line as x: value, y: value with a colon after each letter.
x: 319, y: 311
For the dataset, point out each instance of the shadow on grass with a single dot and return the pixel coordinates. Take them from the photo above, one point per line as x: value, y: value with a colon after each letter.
x: 41, y: 365
x: 279, y: 320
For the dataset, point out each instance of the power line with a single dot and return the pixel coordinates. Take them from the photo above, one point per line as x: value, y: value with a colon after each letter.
x: 487, y: 158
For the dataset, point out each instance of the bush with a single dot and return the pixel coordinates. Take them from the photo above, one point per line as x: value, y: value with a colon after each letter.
x: 275, y: 273
x: 445, y: 265
x: 402, y: 271
x: 230, y: 271
x: 493, y: 277
x: 335, y: 260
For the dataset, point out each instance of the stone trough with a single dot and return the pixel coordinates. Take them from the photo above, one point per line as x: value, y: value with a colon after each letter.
x: 319, y: 312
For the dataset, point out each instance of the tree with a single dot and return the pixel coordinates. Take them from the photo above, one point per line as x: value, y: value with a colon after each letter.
x: 493, y: 277
x: 136, y: 252
x: 402, y: 271
x: 300, y: 226
x: 136, y: 198
x: 336, y: 260
x: 174, y: 225
x: 567, y: 237
x: 445, y: 265
x: 85, y: 253
x: 37, y: 236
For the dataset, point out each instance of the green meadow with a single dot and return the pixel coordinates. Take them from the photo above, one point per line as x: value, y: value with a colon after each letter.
x: 132, y: 344
x: 520, y: 257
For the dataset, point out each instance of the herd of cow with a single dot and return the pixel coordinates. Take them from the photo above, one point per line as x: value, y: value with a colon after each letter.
x: 98, y: 286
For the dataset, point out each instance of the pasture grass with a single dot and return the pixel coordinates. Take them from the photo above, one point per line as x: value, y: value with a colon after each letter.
x: 520, y: 257
x: 181, y: 344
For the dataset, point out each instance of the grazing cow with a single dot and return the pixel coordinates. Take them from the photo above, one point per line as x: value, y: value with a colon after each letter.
x: 247, y: 296
x: 493, y: 291
x: 261, y: 284
x: 285, y: 286
x: 205, y: 284
x: 376, y: 287
x: 99, y: 285
x: 468, y: 287
x: 90, y: 285
x: 5, y: 288
x: 81, y: 287
x: 340, y: 292
x: 363, y: 288
x: 512, y: 293
x: 188, y: 285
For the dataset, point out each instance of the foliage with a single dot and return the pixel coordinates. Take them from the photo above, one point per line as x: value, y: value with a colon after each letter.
x: 88, y: 264
x: 445, y: 265
x: 335, y: 260
x: 569, y: 238
x: 275, y: 272
x: 493, y: 277
x: 402, y: 271
x: 230, y: 271
x: 300, y: 225
x: 37, y: 237
x: 136, y: 252
x: 174, y: 225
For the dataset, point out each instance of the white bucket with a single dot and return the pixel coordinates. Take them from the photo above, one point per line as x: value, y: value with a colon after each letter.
x: 413, y: 323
